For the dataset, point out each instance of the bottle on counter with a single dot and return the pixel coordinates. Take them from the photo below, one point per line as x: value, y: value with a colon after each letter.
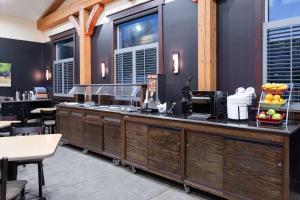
x: 18, y: 96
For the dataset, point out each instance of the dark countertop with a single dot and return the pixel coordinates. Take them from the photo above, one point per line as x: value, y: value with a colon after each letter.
x: 249, y: 124
x: 22, y: 101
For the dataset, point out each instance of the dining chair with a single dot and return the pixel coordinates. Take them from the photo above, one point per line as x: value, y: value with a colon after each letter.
x: 49, y: 120
x: 4, y: 132
x: 25, y: 116
x: 10, y: 189
x: 30, y: 129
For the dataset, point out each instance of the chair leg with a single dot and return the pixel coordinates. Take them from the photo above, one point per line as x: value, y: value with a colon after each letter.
x: 23, y: 194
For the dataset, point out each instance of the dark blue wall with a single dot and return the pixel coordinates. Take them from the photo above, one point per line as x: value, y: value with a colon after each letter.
x: 27, y: 60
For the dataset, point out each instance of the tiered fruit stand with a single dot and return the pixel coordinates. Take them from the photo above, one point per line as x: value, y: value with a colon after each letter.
x: 283, y: 108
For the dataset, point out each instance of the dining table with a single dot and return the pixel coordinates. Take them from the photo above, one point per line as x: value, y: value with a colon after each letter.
x: 6, y: 124
x: 26, y: 148
x: 38, y: 110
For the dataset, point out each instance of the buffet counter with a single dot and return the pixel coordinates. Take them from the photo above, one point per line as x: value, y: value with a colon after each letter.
x: 229, y: 159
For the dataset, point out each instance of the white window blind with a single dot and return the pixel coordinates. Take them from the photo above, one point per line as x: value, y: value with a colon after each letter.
x: 134, y: 64
x: 63, y: 76
x: 282, y: 54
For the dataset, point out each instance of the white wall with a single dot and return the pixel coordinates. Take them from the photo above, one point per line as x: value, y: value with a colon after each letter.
x: 20, y: 29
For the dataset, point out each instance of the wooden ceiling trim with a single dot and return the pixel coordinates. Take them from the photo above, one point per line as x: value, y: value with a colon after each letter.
x: 53, y: 7
x: 62, y: 14
x: 93, y: 18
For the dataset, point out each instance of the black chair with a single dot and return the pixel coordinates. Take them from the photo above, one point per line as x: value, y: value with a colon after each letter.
x: 30, y: 129
x: 10, y: 189
x: 49, y: 120
x: 4, y: 132
x: 25, y: 116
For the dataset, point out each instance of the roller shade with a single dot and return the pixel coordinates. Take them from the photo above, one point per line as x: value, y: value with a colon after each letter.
x: 132, y: 65
x: 63, y: 76
x: 282, y: 56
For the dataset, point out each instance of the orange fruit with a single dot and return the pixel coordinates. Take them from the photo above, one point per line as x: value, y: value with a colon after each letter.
x: 277, y: 97
x: 267, y: 101
x: 269, y: 97
x: 275, y: 102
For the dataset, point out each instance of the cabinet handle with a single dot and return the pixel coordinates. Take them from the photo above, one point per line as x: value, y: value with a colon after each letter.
x: 187, y: 145
x: 179, y: 143
x: 280, y: 164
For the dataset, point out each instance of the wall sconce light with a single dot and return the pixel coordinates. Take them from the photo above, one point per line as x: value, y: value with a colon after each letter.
x: 175, y: 62
x: 48, y: 74
x: 103, y: 69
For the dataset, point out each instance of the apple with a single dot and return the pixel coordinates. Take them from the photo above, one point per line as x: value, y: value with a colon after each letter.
x: 271, y: 112
x: 276, y: 116
x: 262, y: 116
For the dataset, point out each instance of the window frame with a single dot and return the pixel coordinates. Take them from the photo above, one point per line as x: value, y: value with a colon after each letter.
x: 154, y: 12
x: 267, y: 14
x: 65, y: 36
x: 267, y: 25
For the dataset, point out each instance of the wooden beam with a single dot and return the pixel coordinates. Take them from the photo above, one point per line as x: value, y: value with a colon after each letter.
x: 207, y: 45
x: 53, y: 7
x: 93, y: 18
x: 75, y: 21
x: 62, y: 14
x: 85, y: 49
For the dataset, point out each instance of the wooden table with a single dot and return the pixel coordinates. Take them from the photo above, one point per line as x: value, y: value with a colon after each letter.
x: 5, y: 124
x: 38, y: 110
x: 26, y: 148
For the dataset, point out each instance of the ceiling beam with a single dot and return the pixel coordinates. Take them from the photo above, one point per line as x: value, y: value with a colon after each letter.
x: 93, y: 18
x: 53, y: 7
x: 62, y: 14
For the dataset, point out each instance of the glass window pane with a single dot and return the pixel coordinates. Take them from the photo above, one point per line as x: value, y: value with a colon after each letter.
x: 65, y: 49
x: 282, y: 9
x: 139, y: 31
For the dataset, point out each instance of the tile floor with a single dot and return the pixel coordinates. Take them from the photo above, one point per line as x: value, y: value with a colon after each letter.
x: 71, y: 175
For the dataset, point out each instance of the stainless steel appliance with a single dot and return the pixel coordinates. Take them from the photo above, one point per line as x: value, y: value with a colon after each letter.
x: 210, y: 103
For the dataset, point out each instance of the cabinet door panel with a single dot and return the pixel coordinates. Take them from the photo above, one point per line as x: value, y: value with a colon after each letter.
x: 136, y: 143
x: 164, y: 150
x: 76, y: 130
x: 204, y: 159
x: 112, y: 140
x: 93, y: 136
x: 63, y: 126
x: 253, y: 170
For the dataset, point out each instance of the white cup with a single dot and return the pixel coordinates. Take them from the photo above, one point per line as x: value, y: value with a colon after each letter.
x: 240, y: 90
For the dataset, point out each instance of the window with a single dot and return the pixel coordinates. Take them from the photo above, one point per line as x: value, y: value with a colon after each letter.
x: 282, y: 44
x: 63, y: 67
x: 138, y: 32
x: 282, y: 9
x: 137, y: 53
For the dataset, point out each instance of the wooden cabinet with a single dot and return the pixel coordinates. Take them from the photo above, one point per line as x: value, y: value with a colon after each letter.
x: 204, y: 159
x: 112, y: 140
x: 136, y: 143
x: 93, y: 136
x: 164, y: 150
x: 253, y: 170
x: 63, y: 124
x: 75, y: 129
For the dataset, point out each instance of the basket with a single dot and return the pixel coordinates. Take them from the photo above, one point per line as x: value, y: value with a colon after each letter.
x: 279, y: 92
x: 272, y: 106
x: 270, y: 120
